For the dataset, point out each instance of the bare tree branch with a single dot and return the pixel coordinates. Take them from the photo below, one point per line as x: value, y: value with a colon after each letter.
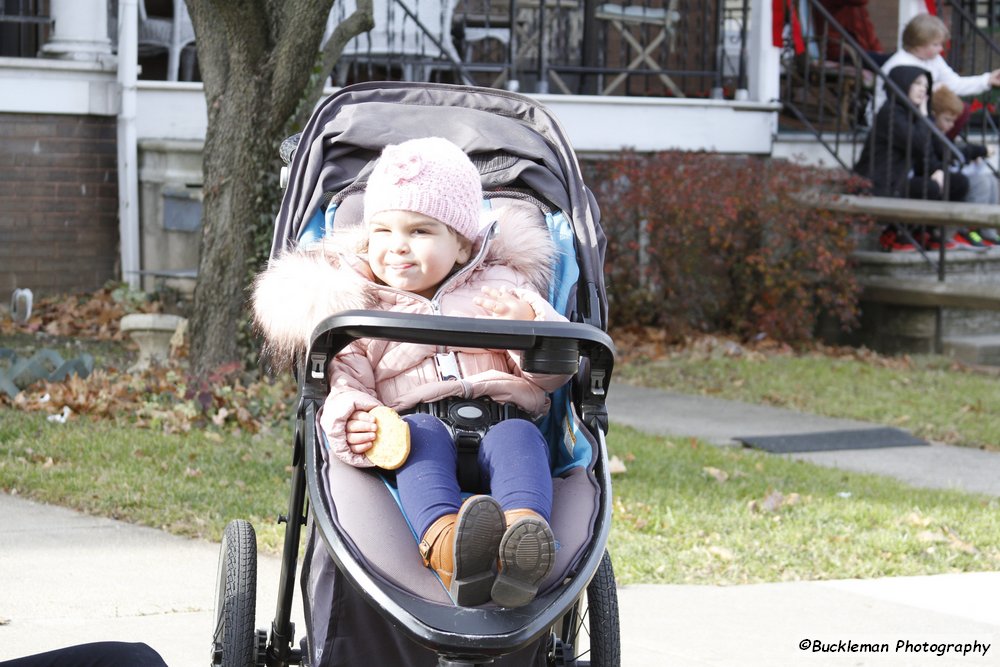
x: 362, y: 19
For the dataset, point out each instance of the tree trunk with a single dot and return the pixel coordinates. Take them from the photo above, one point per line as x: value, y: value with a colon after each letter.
x: 256, y: 59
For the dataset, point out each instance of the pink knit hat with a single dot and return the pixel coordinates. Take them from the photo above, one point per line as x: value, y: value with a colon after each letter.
x: 432, y: 176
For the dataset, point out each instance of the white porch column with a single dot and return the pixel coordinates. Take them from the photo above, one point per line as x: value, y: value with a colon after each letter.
x: 764, y: 67
x: 128, y: 152
x: 80, y: 30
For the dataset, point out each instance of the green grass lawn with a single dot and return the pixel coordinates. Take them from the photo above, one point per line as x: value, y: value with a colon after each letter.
x: 929, y: 396
x: 689, y: 512
x: 189, y: 484
x: 685, y: 512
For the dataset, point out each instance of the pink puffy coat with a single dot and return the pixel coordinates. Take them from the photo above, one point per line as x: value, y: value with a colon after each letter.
x: 301, y: 288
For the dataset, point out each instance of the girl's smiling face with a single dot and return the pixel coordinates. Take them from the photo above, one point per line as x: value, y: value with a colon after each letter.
x: 414, y: 252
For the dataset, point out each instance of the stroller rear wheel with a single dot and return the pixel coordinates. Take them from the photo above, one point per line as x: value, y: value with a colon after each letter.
x: 593, y: 619
x: 236, y: 643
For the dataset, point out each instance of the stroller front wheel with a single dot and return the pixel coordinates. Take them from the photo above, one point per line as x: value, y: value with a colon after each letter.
x: 592, y: 620
x: 235, y: 642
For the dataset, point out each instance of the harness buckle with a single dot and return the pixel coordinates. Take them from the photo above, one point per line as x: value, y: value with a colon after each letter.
x: 468, y: 420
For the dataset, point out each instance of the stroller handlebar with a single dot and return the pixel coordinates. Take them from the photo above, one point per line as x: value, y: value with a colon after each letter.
x: 549, y: 347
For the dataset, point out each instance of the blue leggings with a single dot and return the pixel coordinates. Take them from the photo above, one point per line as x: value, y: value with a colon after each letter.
x: 513, y: 465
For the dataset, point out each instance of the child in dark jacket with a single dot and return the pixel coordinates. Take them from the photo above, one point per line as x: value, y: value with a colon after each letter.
x: 901, y: 157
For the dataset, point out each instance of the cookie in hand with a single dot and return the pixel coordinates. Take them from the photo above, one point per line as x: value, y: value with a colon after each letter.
x: 392, y: 439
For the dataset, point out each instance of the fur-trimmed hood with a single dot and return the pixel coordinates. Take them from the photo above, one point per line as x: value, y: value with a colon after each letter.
x: 304, y: 286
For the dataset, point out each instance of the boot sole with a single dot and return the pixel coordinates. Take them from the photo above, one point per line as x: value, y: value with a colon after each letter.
x: 478, y: 530
x: 527, y: 554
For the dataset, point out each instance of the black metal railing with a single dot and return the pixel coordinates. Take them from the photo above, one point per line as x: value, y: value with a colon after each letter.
x: 898, y: 146
x: 24, y: 27
x: 834, y: 98
x: 828, y: 98
x: 975, y: 27
x: 679, y: 48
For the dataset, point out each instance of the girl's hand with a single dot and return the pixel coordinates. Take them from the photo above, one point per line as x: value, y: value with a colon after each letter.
x: 504, y: 305
x: 360, y: 430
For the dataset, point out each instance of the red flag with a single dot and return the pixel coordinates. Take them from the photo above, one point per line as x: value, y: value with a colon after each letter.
x: 782, y: 10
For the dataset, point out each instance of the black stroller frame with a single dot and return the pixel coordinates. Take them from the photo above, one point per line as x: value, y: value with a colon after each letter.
x: 458, y: 636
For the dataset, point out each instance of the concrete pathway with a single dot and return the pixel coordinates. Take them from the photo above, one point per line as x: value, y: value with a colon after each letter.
x: 723, y: 422
x: 67, y: 578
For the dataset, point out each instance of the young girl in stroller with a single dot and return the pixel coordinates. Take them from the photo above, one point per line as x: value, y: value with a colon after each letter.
x: 427, y: 246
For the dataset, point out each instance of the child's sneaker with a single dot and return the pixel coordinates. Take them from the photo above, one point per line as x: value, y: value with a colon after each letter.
x: 990, y: 235
x: 969, y: 240
x: 889, y: 241
x: 933, y: 242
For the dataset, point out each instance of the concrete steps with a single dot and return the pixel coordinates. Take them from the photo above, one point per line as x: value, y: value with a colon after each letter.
x: 904, y: 309
x: 981, y: 350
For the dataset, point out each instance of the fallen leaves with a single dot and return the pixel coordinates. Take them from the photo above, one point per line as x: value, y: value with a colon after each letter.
x: 719, y: 476
x: 616, y: 466
x: 635, y: 514
x: 773, y: 502
x: 92, y: 315
x: 163, y: 398
x: 722, y: 553
x: 945, y: 537
x: 722, y: 476
x: 935, y: 535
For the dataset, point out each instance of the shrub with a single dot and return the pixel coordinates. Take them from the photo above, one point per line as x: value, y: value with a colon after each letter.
x: 717, y: 243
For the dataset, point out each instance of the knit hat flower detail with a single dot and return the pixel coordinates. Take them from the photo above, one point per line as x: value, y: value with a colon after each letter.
x: 431, y: 176
x: 400, y: 166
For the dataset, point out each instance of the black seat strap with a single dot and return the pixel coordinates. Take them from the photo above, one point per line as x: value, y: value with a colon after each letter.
x: 468, y: 432
x: 468, y: 459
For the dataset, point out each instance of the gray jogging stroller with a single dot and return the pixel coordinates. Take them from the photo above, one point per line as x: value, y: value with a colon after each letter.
x: 368, y: 599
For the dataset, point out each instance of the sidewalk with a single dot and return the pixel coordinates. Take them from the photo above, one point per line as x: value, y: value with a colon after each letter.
x: 68, y: 578
x: 722, y: 422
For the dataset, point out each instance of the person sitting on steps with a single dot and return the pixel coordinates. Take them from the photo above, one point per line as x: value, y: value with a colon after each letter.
x: 901, y: 160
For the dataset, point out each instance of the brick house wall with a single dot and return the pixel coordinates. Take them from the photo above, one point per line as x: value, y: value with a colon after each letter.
x: 885, y: 18
x: 58, y: 203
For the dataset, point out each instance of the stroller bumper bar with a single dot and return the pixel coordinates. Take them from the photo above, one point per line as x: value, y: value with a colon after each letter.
x: 549, y: 347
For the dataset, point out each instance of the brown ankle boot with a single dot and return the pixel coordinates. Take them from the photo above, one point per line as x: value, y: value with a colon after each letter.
x: 462, y: 548
x: 527, y: 554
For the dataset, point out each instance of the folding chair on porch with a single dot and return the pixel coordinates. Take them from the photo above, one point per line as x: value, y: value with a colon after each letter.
x: 414, y: 35
x: 623, y: 19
